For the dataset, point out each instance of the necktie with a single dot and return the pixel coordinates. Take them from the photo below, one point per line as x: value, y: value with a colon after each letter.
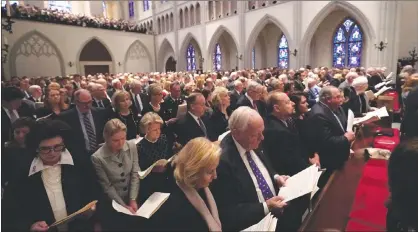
x: 203, y: 127
x: 13, y: 116
x: 262, y: 183
x: 255, y: 106
x: 90, y: 132
x: 138, y: 106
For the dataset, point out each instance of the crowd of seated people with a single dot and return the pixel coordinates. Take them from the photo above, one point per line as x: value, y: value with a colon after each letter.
x: 71, y: 140
x: 46, y: 15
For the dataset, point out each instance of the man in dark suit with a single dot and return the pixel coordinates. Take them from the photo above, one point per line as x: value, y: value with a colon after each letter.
x: 235, y: 94
x: 246, y: 188
x: 98, y: 92
x: 327, y: 134
x: 193, y: 125
x: 35, y: 93
x: 409, y: 126
x: 172, y: 101
x: 281, y: 144
x: 251, y: 97
x: 12, y: 109
x: 139, y: 99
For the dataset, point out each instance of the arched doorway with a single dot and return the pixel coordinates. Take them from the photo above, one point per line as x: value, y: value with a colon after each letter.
x: 95, y: 58
x: 170, y: 65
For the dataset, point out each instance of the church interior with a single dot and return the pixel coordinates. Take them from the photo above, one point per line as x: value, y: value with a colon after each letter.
x: 209, y: 115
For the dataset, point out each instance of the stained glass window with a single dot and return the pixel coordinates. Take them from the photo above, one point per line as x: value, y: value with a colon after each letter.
x: 191, y: 58
x: 347, y: 45
x: 283, y: 51
x: 131, y: 8
x: 104, y: 9
x: 146, y: 5
x: 253, y: 58
x: 60, y: 5
x: 217, y: 58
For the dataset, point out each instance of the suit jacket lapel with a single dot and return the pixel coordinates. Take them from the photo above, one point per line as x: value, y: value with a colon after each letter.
x: 41, y: 197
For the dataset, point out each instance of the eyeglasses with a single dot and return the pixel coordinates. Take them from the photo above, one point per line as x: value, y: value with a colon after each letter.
x: 47, y: 150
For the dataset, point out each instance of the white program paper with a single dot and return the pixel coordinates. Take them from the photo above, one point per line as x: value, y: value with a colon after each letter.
x: 181, y: 111
x: 146, y: 172
x: 150, y: 206
x: 372, y: 116
x: 382, y: 90
x: 222, y: 136
x: 268, y: 223
x: 350, y: 120
x: 300, y: 184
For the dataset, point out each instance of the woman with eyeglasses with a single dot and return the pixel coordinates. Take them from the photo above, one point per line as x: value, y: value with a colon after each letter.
x: 53, y: 187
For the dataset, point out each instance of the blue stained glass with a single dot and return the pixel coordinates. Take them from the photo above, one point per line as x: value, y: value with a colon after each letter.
x: 190, y: 57
x: 217, y: 58
x: 348, y: 45
x: 146, y: 5
x: 131, y: 6
x: 355, y: 34
x: 347, y: 23
x: 3, y: 3
x: 283, y: 53
x: 253, y: 57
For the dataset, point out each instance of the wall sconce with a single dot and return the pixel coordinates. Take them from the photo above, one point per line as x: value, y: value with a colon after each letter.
x: 294, y: 53
x: 70, y: 64
x: 239, y: 57
x: 381, y: 45
x: 119, y: 64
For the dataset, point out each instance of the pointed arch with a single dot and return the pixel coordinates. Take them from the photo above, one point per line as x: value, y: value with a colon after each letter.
x: 215, y: 37
x: 16, y: 46
x: 137, y: 51
x: 355, y: 13
x: 189, y: 38
x: 228, y: 48
x: 258, y: 28
x: 347, y: 44
x: 164, y: 52
x: 100, y: 41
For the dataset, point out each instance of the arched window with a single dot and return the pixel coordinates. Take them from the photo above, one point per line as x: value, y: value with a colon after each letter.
x: 253, y: 58
x: 60, y: 5
x: 347, y: 46
x: 191, y: 58
x: 146, y: 5
x: 217, y: 57
x: 131, y: 8
x: 283, y: 51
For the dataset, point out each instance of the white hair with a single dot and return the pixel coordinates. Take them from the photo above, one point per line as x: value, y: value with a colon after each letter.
x: 283, y: 77
x: 237, y: 82
x: 351, y: 75
x: 134, y: 82
x: 241, y: 117
x: 33, y: 88
x: 114, y: 81
x: 253, y: 85
x: 361, y: 80
x: 311, y: 80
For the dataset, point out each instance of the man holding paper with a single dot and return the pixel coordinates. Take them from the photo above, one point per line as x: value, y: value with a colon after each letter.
x: 247, y: 185
x: 327, y: 134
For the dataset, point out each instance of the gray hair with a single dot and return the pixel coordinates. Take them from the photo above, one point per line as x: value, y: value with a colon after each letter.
x: 326, y: 92
x: 147, y: 119
x: 361, y: 80
x: 79, y: 92
x: 351, y: 75
x: 241, y: 117
x: 253, y: 85
x: 134, y: 82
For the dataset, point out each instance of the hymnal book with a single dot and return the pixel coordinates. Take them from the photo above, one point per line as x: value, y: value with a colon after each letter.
x: 372, y: 116
x: 86, y: 208
x: 150, y: 206
x: 268, y: 223
x: 300, y: 184
x: 146, y: 172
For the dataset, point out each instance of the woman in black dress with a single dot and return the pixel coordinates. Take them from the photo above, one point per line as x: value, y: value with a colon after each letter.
x: 53, y: 106
x: 121, y: 101
x: 221, y: 111
x: 153, y: 147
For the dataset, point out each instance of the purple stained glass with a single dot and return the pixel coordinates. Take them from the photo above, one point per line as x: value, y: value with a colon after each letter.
x: 190, y: 57
x: 217, y: 58
x: 131, y: 9
x: 339, y: 36
x: 283, y: 53
x: 348, y: 45
x: 146, y: 5
x: 347, y: 24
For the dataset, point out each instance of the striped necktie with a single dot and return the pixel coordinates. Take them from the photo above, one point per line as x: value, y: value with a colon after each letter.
x: 90, y: 132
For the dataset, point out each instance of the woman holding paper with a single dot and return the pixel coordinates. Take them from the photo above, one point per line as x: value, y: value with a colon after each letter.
x: 191, y: 206
x: 116, y: 165
x: 155, y: 146
x: 52, y: 188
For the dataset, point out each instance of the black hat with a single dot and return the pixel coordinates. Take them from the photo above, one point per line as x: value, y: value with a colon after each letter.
x: 11, y: 93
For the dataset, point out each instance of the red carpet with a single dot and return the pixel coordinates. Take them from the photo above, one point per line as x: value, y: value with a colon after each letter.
x: 368, y: 212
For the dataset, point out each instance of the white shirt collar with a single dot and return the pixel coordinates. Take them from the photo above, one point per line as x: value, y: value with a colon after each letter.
x: 37, y: 164
x: 249, y: 98
x: 240, y: 149
x: 195, y: 117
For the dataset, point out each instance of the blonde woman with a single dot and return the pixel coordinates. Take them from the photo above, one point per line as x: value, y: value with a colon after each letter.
x: 191, y: 206
x: 155, y: 93
x: 221, y: 111
x: 121, y: 101
x: 116, y: 165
